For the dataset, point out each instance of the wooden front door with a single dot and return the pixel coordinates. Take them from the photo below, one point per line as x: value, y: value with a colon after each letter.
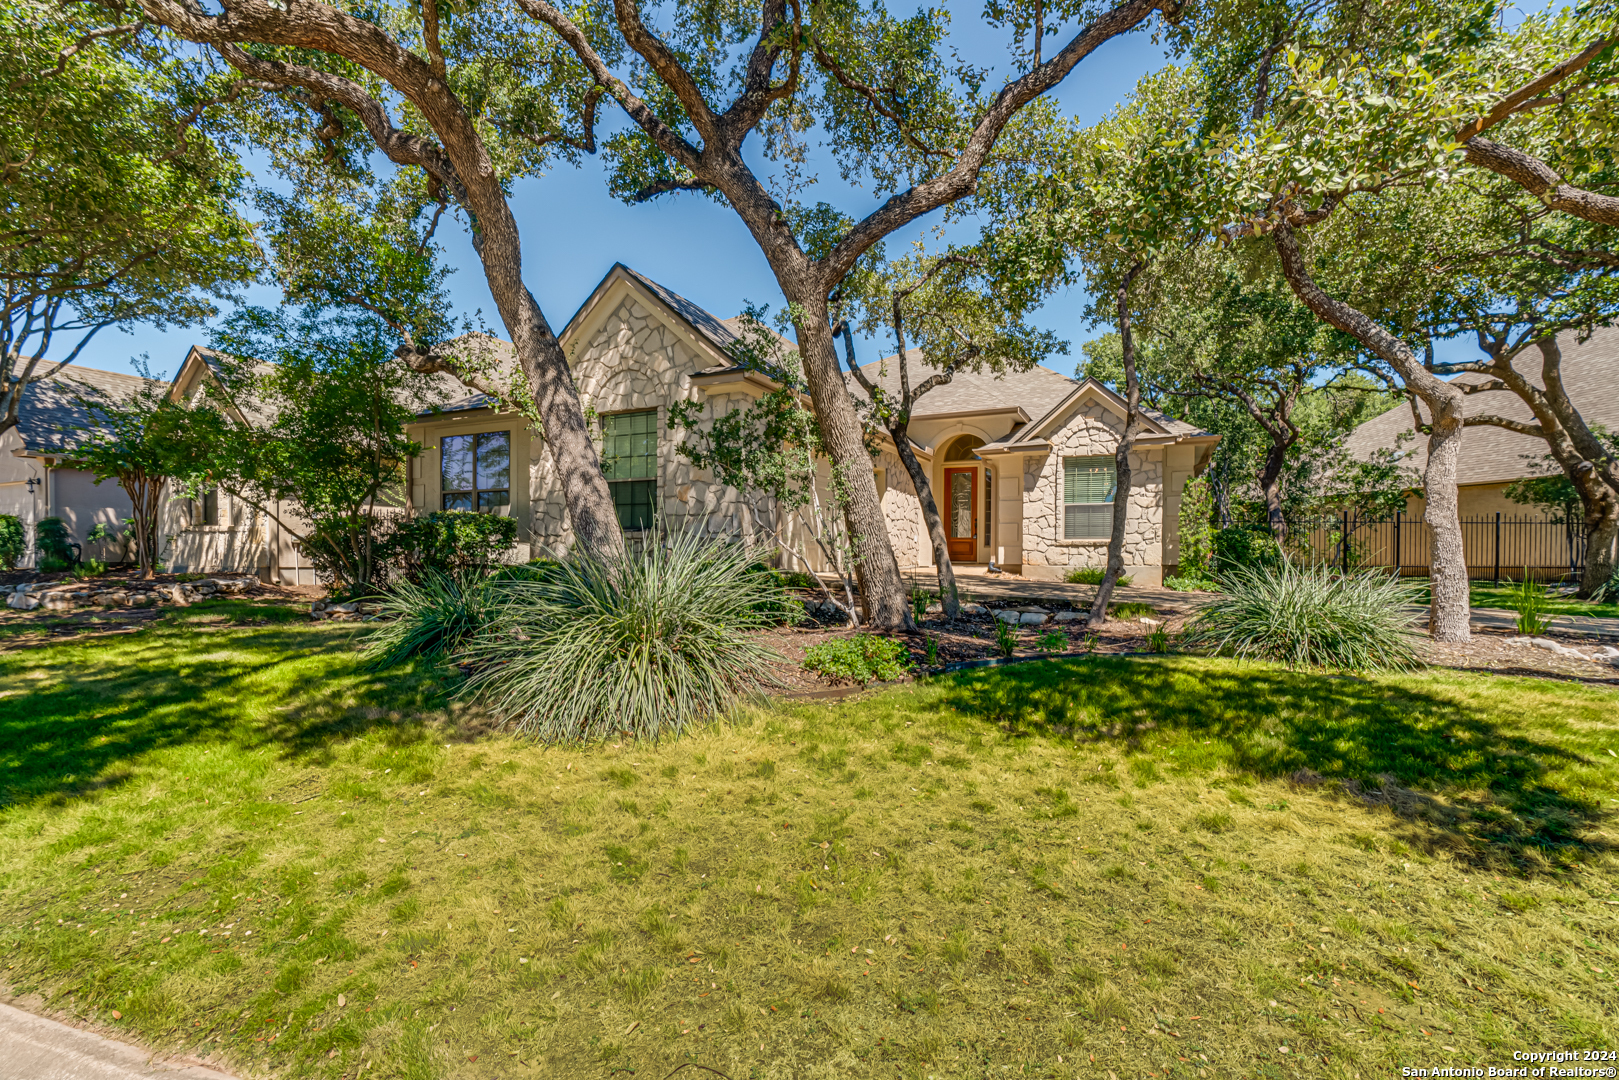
x: 961, y: 513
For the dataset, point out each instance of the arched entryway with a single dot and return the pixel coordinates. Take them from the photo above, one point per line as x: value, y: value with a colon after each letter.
x: 966, y: 502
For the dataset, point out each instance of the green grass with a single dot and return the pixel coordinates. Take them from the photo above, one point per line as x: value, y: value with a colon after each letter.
x: 1490, y: 595
x: 971, y: 877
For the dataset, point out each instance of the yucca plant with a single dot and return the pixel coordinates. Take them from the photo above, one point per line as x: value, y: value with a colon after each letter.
x: 434, y: 616
x: 1311, y: 616
x: 641, y: 645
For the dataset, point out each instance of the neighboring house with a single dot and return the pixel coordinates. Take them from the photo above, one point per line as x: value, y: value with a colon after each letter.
x: 209, y: 534
x: 1493, y: 457
x: 34, y: 483
x: 1022, y: 467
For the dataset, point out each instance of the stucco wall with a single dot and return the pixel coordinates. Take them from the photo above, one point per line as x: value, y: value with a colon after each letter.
x: 1089, y: 430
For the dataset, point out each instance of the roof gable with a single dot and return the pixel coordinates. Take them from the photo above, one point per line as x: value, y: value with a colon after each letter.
x: 709, y: 336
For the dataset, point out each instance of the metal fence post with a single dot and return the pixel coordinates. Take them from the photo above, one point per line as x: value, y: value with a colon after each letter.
x: 1398, y: 514
x: 1498, y: 547
x: 1346, y: 541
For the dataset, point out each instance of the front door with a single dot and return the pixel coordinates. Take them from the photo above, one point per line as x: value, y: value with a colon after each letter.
x: 961, y: 526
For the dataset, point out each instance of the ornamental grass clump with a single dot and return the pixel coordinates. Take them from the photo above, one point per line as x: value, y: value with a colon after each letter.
x: 431, y: 617
x: 642, y: 645
x: 1311, y: 616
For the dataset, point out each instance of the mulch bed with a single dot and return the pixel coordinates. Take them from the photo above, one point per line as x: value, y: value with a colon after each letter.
x: 1507, y: 654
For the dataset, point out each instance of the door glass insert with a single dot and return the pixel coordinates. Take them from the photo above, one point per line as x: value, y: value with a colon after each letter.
x: 961, y: 504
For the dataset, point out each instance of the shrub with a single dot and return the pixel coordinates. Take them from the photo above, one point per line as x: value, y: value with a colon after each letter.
x: 1529, y: 601
x: 1244, y: 549
x: 643, y: 645
x: 775, y: 604
x: 53, y: 546
x: 13, y: 541
x: 89, y: 568
x: 1092, y: 575
x: 1608, y: 591
x: 433, y: 617
x: 1196, y: 521
x: 1180, y: 583
x: 860, y: 659
x: 1132, y: 609
x: 1158, y: 640
x: 450, y: 541
x: 1311, y: 616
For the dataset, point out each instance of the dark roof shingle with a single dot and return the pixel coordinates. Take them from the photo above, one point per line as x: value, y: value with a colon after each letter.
x: 1494, y: 455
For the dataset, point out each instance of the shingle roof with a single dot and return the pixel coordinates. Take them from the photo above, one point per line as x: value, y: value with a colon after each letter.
x: 50, y: 419
x: 1494, y: 455
x: 1036, y: 391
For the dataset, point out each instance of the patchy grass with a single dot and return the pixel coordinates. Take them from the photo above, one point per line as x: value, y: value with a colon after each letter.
x: 252, y: 848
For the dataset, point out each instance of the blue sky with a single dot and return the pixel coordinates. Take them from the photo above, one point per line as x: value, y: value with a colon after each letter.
x: 574, y: 231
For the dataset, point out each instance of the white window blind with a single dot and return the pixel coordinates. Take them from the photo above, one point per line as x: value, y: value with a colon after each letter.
x: 1088, y: 487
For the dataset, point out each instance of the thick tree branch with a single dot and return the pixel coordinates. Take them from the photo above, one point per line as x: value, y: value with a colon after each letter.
x: 1542, y: 181
x: 667, y: 139
x: 962, y: 178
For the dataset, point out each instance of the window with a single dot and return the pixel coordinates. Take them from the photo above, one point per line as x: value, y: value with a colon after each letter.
x: 205, y: 510
x: 630, y: 463
x: 476, y: 471
x: 1088, y: 487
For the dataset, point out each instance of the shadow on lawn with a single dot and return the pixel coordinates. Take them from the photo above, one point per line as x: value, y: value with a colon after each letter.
x: 299, y: 691
x: 1457, y: 779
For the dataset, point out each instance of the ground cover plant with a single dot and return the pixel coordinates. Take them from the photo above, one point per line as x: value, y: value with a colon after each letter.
x: 1092, y: 575
x: 862, y: 659
x: 242, y: 842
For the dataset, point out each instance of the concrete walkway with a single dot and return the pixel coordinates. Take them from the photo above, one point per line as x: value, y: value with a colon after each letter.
x: 33, y: 1048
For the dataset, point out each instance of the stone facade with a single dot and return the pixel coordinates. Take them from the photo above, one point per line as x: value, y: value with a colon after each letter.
x: 1090, y: 429
x: 633, y: 347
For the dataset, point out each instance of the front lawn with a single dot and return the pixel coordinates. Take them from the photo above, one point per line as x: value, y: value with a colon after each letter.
x: 235, y: 841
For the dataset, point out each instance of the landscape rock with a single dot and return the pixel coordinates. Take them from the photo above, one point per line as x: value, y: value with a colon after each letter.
x: 1033, y: 618
x: 57, y: 602
x: 1150, y: 622
x: 177, y: 595
x: 22, y: 601
x: 974, y: 609
x: 934, y: 609
x: 1070, y: 616
x: 1009, y: 616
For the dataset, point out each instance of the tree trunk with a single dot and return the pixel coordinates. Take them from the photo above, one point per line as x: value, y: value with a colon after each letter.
x: 948, y: 596
x: 143, y: 501
x: 1121, y: 459
x: 1450, y: 611
x: 883, y: 592
x: 1600, y: 537
x: 1270, y: 484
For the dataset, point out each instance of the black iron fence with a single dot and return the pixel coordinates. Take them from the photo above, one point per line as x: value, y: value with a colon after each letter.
x: 1495, y: 547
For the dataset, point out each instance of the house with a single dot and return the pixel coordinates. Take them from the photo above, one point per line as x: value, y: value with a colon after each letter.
x: 212, y: 533
x: 1492, y: 458
x: 1021, y: 467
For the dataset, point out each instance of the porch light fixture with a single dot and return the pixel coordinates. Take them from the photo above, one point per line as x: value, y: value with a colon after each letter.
x: 33, y: 482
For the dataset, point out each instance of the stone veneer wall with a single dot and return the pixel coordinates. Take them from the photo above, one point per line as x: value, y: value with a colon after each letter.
x: 1088, y: 431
